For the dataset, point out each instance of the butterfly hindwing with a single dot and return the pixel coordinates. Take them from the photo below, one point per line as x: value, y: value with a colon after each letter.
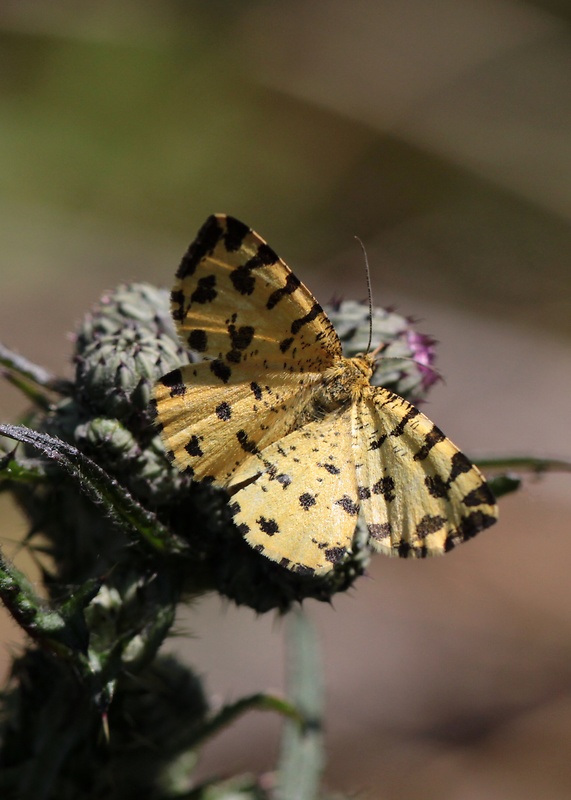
x: 421, y: 495
x: 300, y: 504
x: 213, y: 421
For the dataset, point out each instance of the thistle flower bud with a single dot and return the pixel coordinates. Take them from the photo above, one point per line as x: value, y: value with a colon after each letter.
x: 122, y: 347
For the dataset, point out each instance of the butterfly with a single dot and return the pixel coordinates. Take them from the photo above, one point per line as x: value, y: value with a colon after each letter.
x: 292, y: 429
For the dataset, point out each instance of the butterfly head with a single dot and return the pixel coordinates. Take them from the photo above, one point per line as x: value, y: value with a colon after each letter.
x: 374, y: 357
x: 361, y: 366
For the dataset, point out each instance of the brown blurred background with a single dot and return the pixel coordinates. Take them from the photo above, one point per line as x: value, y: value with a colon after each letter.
x: 440, y: 134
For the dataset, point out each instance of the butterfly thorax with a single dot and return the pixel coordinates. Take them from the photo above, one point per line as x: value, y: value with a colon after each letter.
x: 343, y: 383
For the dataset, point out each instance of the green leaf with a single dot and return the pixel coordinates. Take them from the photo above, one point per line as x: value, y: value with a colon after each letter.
x: 20, y: 470
x: 30, y: 378
x: 504, y: 484
x: 508, y: 482
x: 100, y: 487
x: 232, y: 711
x: 62, y: 631
x: 525, y: 464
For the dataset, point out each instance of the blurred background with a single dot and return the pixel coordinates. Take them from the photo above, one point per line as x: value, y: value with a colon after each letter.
x: 440, y: 134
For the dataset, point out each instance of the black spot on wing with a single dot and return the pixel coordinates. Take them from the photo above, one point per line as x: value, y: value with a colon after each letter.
x: 398, y: 430
x: 198, y: 340
x: 193, y: 447
x: 174, y: 382
x: 240, y: 339
x: 257, y: 390
x: 291, y: 284
x: 473, y: 523
x: 268, y: 526
x: 335, y: 554
x: 177, y: 304
x: 407, y: 550
x: 330, y: 468
x: 306, y: 501
x: 242, y: 277
x: 436, y: 486
x: 301, y: 569
x: 271, y: 470
x: 469, y: 526
x: 432, y: 438
x: 404, y: 549
x: 348, y: 505
x: 246, y: 443
x: 386, y: 487
x: 482, y: 495
x: 235, y: 234
x: 206, y: 240
x: 221, y: 370
x: 460, y: 465
x: 266, y: 256
x: 379, y: 530
x: 312, y: 314
x: 235, y: 508
x: 223, y: 412
x: 376, y: 444
x: 205, y: 291
x: 429, y: 524
x: 285, y: 344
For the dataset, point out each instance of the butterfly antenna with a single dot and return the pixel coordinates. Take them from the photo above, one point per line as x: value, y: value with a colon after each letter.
x: 369, y: 293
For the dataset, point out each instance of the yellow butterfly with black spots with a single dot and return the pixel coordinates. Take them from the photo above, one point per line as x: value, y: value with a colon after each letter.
x: 295, y: 431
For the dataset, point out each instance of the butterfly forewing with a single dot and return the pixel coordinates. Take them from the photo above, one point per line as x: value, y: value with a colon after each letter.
x: 237, y: 301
